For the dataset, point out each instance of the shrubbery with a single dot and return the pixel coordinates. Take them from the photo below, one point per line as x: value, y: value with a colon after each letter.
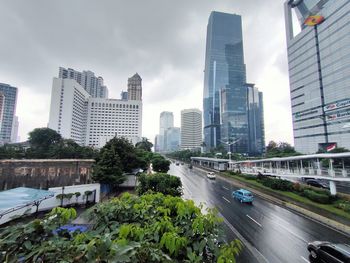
x: 345, y: 205
x: 277, y: 184
x: 317, y: 197
x: 159, y: 182
x: 149, y: 228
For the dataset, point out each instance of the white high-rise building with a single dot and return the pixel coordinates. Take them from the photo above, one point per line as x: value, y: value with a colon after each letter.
x: 68, y: 110
x: 89, y: 121
x: 15, y: 126
x: 135, y: 87
x: 87, y: 79
x: 191, y: 129
x: 108, y: 118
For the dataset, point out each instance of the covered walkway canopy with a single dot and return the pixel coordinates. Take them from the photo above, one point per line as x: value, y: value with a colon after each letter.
x: 213, y: 163
x: 17, y: 198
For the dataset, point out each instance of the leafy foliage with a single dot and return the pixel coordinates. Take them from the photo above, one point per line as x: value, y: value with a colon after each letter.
x: 145, y: 145
x: 160, y: 164
x: 150, y: 228
x: 281, y: 149
x: 160, y: 182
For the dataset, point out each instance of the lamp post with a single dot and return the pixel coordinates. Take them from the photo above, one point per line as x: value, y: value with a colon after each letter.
x: 229, y: 145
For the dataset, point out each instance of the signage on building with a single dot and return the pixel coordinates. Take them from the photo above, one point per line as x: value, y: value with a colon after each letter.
x: 314, y: 20
x: 337, y: 105
x: 338, y: 115
x: 327, y: 147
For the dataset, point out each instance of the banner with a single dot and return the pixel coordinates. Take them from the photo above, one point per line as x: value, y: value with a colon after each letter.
x: 337, y: 105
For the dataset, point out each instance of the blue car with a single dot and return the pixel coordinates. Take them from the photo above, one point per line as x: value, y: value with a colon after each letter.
x: 244, y: 196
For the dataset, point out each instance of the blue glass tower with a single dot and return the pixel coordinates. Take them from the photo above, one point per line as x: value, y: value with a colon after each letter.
x: 10, y: 94
x: 225, y: 96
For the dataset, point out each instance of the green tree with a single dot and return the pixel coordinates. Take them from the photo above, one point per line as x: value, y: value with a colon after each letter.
x: 281, y: 149
x: 160, y: 164
x: 144, y: 145
x: 160, y: 182
x: 108, y: 168
x: 43, y: 138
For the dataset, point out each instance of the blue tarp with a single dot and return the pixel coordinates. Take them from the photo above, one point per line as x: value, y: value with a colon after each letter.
x: 21, y: 197
x: 71, y: 228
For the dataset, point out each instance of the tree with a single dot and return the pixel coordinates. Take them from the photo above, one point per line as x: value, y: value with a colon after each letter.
x: 160, y: 182
x: 280, y: 149
x: 160, y: 164
x: 144, y: 145
x: 43, y: 138
x: 108, y: 168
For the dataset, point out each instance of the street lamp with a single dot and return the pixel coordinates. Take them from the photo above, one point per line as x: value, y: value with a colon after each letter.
x: 229, y: 145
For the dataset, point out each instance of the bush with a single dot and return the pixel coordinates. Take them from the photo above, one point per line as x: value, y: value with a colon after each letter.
x: 345, y: 205
x: 317, y: 197
x: 150, y: 228
x: 164, y: 183
x: 277, y: 184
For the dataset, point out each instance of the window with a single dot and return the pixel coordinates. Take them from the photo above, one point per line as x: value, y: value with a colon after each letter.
x: 331, y: 251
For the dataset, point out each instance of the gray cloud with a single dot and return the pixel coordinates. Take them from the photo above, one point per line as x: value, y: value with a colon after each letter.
x: 164, y: 41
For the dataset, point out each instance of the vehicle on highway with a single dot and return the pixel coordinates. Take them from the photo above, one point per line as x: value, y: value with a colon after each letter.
x: 317, y: 183
x: 211, y: 175
x: 244, y: 196
x: 321, y: 251
x: 182, y: 163
x: 190, y: 166
x: 177, y: 163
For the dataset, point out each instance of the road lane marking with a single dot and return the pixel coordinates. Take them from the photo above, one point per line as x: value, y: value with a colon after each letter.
x: 254, y: 221
x: 290, y: 231
x: 226, y: 199
x: 256, y: 253
x: 225, y: 188
x: 305, y: 259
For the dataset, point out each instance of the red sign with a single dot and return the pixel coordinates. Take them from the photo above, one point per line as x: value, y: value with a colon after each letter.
x: 331, y: 147
x: 314, y: 20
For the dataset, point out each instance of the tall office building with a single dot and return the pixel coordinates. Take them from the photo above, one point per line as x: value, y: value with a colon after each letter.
x: 319, y: 62
x: 166, y: 120
x: 135, y: 87
x: 2, y: 107
x: 87, y: 79
x: 172, y: 139
x: 9, y: 98
x: 256, y: 129
x: 191, y: 129
x: 225, y: 97
x: 89, y: 121
x: 68, y: 109
x: 15, y: 126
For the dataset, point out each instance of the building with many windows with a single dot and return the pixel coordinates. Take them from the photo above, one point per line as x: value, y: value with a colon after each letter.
x: 191, y: 129
x: 9, y: 102
x: 172, y: 137
x: 87, y: 79
x: 224, y: 101
x: 319, y: 75
x: 91, y: 121
x: 166, y: 121
x: 2, y: 105
x: 135, y: 87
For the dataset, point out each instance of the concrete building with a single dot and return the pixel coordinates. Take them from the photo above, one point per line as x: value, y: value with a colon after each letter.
x: 191, y: 129
x: 89, y: 121
x: 9, y: 101
x: 319, y: 62
x: 135, y: 87
x: 124, y: 95
x: 256, y: 129
x: 224, y: 97
x: 2, y: 107
x: 87, y: 79
x: 108, y: 118
x: 68, y: 109
x: 15, y: 126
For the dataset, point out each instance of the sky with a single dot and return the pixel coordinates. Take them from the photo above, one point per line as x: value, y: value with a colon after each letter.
x: 162, y: 40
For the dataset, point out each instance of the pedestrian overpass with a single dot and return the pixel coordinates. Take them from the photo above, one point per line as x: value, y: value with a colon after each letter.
x: 328, y: 166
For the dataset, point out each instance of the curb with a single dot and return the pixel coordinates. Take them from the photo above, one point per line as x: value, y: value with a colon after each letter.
x: 342, y: 228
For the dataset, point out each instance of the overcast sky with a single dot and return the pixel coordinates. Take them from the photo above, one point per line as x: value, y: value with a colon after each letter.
x: 162, y: 40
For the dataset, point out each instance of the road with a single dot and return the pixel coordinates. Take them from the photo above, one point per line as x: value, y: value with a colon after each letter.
x: 270, y: 233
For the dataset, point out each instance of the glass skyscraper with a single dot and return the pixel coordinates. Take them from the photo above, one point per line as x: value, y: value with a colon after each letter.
x: 319, y: 73
x: 9, y: 95
x: 225, y: 96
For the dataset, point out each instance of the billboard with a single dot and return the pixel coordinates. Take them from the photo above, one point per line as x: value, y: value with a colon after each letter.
x: 327, y: 147
x: 314, y: 20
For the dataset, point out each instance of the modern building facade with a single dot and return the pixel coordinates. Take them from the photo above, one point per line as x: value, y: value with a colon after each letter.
x: 2, y: 106
x: 68, y: 109
x: 256, y: 129
x: 135, y: 87
x: 166, y: 121
x: 191, y: 129
x: 172, y: 139
x: 9, y: 101
x: 319, y: 63
x: 87, y: 79
x: 15, y: 127
x: 90, y: 121
x: 224, y: 97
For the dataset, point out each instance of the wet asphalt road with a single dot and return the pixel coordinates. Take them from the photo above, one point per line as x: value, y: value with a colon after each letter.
x: 270, y: 233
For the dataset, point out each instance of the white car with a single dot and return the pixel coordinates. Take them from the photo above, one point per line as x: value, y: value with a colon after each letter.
x: 211, y: 175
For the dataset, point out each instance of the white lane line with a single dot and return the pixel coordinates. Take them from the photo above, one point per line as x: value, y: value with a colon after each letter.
x: 256, y: 253
x: 290, y: 231
x: 225, y: 188
x: 226, y: 199
x: 254, y: 221
x: 305, y: 259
